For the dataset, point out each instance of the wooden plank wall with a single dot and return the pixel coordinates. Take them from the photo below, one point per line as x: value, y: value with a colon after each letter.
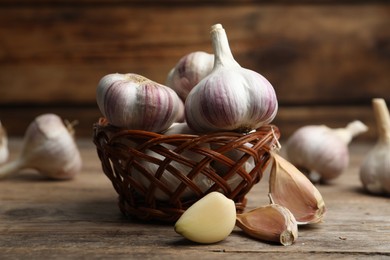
x: 326, y: 59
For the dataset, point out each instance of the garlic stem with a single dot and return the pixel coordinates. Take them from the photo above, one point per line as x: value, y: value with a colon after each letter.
x: 382, y: 118
x: 11, y: 167
x: 222, y: 54
x: 352, y: 130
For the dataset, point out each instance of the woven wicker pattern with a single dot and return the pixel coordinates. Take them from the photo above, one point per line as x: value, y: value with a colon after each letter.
x: 158, y: 177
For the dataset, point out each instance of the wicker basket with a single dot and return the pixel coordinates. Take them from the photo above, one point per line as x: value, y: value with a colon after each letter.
x: 227, y: 162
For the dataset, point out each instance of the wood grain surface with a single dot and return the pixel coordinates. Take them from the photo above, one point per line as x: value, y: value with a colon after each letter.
x: 79, y: 219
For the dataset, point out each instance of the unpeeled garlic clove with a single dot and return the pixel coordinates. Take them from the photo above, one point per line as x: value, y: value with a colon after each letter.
x: 273, y: 223
x: 292, y: 189
x: 321, y: 151
x: 4, y: 151
x: 209, y: 220
x: 132, y: 101
x: 190, y: 69
x: 375, y: 168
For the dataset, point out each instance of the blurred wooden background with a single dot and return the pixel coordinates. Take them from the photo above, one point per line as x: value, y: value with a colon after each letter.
x: 326, y: 59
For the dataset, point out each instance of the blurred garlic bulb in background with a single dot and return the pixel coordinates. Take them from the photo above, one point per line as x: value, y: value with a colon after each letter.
x: 190, y: 69
x: 320, y: 151
x: 375, y: 169
x: 4, y: 151
x: 48, y: 147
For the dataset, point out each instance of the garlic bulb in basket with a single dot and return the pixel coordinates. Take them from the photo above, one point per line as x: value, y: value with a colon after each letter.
x: 320, y: 151
x: 375, y: 169
x: 230, y: 98
x: 134, y: 102
x: 189, y: 71
x: 49, y: 147
x: 172, y: 175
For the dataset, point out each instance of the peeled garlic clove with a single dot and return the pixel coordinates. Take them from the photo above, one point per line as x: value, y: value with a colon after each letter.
x: 4, y: 151
x: 230, y: 98
x: 49, y: 148
x: 292, y: 189
x: 209, y: 220
x: 190, y: 69
x: 273, y: 223
x: 321, y: 151
x: 375, y: 169
x: 134, y: 102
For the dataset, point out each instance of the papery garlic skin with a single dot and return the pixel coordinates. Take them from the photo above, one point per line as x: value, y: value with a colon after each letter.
x: 321, y: 151
x: 375, y: 169
x: 209, y: 220
x: 273, y: 223
x: 290, y: 188
x: 4, y: 151
x: 49, y: 148
x: 132, y: 101
x: 230, y: 98
x: 190, y: 69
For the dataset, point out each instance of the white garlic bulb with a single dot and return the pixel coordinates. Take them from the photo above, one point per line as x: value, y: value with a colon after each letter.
x: 230, y: 98
x: 48, y: 147
x: 168, y: 177
x: 4, y: 151
x: 189, y: 71
x: 320, y: 151
x: 134, y: 102
x: 375, y: 169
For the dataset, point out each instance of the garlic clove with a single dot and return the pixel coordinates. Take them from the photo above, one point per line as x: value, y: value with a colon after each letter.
x: 320, y: 151
x: 375, y: 169
x: 134, y: 102
x: 273, y: 223
x: 292, y: 189
x: 190, y: 69
x: 209, y: 220
x: 230, y: 98
x: 4, y: 151
x: 49, y: 148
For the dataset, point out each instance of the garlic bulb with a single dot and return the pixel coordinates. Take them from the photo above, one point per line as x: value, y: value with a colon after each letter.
x: 4, y: 152
x: 169, y: 176
x: 49, y: 148
x: 375, y: 169
x: 134, y: 102
x: 230, y: 98
x: 235, y: 155
x: 189, y: 71
x: 320, y: 151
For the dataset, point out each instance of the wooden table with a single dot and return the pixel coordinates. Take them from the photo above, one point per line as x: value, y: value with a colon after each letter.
x: 79, y: 219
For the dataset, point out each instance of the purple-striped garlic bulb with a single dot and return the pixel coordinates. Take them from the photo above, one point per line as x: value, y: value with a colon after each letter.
x: 230, y: 98
x: 134, y: 102
x: 190, y: 69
